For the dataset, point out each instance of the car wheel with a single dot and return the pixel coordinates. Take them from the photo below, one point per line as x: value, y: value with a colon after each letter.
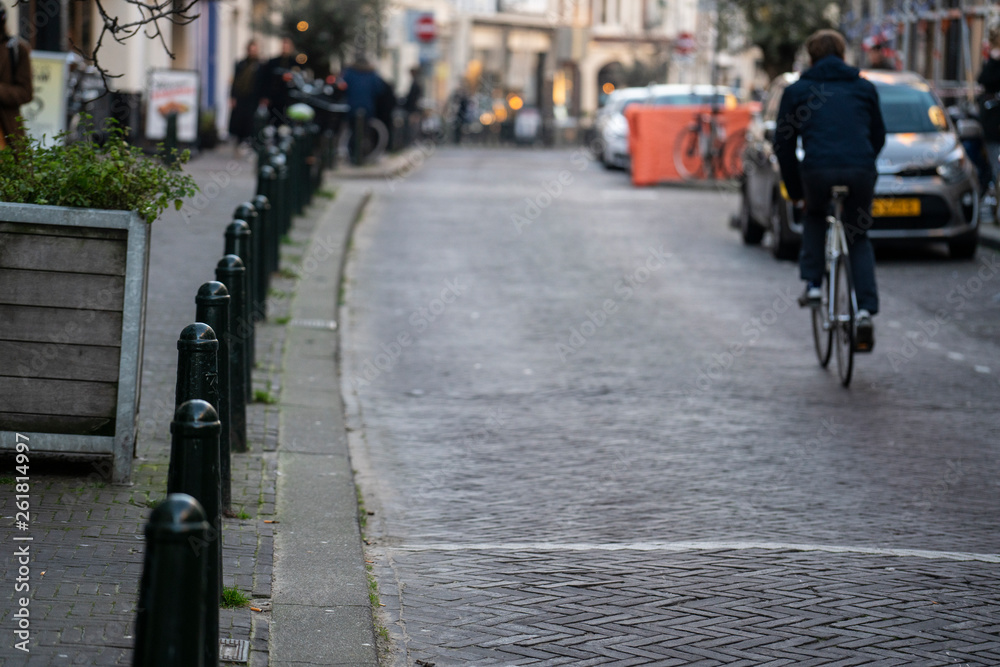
x: 751, y: 230
x: 783, y: 243
x: 964, y: 247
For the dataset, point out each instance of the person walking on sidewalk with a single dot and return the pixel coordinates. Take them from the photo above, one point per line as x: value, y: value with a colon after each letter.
x: 16, y: 87
x: 365, y: 92
x: 243, y: 95
x: 836, y: 113
x: 989, y: 101
x: 272, y: 88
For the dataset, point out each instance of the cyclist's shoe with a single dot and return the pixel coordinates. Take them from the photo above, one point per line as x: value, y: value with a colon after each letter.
x: 864, y: 335
x: 811, y: 298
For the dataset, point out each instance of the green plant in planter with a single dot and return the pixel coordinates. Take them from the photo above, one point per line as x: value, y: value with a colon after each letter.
x: 113, y: 175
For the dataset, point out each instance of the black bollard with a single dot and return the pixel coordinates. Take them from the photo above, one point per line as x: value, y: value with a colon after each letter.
x: 262, y: 205
x: 238, y: 242
x: 286, y: 145
x: 230, y: 272
x: 263, y: 135
x: 197, y: 365
x: 327, y: 142
x: 170, y: 620
x: 213, y: 309
x: 314, y: 163
x: 170, y: 140
x: 248, y: 213
x: 299, y: 153
x: 194, y: 470
x: 267, y: 180
x: 283, y: 219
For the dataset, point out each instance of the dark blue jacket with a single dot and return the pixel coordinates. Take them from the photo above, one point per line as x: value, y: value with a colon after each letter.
x: 836, y: 113
x: 364, y: 88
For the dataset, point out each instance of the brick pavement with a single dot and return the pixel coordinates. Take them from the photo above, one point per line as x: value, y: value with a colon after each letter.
x: 88, y: 535
x: 714, y: 607
x: 644, y: 499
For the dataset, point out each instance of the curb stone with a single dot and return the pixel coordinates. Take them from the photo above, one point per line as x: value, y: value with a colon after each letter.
x: 321, y: 613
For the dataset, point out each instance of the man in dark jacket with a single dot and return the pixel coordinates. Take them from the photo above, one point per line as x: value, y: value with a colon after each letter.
x: 836, y: 113
x: 366, y: 97
x: 16, y: 87
x: 989, y: 102
x: 243, y: 99
x: 272, y: 88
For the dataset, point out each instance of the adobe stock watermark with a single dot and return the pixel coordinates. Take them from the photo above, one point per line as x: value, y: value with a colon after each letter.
x: 420, y: 320
x: 930, y: 496
x: 795, y: 119
x: 442, y: 475
x: 422, y: 149
x: 957, y: 297
x: 751, y: 331
x: 625, y: 288
x: 221, y: 180
x: 552, y: 189
x: 750, y: 508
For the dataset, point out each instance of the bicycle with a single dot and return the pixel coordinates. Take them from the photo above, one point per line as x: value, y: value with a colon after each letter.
x: 836, y: 316
x: 703, y: 150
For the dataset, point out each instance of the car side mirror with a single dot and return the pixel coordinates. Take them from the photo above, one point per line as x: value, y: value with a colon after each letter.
x: 969, y: 129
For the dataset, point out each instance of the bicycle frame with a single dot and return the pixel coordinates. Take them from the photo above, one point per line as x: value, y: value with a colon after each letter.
x: 838, y: 322
x: 836, y: 247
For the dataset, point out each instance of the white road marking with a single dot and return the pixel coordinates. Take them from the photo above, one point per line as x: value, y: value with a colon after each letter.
x: 956, y: 356
x: 982, y: 369
x: 678, y: 547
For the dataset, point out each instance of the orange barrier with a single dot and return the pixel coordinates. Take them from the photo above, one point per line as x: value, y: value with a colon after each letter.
x: 654, y: 131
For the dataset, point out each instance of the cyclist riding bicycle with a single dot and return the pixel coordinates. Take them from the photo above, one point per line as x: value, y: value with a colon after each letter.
x: 836, y: 113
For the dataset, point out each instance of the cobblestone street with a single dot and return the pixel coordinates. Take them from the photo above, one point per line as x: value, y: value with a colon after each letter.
x: 590, y: 428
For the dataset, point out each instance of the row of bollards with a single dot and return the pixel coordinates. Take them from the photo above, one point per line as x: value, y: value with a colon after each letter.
x: 178, y: 614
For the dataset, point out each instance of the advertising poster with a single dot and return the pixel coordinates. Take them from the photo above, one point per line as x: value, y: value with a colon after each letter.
x: 172, y: 91
x: 45, y: 115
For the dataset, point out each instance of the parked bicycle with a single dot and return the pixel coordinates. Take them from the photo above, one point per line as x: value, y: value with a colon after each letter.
x: 836, y: 317
x: 703, y: 150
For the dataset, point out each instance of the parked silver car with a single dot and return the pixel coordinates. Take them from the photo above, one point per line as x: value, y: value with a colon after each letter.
x: 927, y: 188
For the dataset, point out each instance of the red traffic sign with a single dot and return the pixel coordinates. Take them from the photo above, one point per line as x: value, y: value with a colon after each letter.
x: 425, y: 29
x: 684, y: 43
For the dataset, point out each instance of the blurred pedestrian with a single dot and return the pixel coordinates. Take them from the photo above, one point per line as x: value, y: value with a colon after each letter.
x: 880, y: 56
x: 366, y: 93
x: 461, y: 103
x: 412, y: 103
x: 989, y: 101
x: 243, y: 99
x: 16, y: 87
x: 272, y: 85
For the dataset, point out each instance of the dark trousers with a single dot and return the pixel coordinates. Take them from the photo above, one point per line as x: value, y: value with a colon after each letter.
x: 857, y: 221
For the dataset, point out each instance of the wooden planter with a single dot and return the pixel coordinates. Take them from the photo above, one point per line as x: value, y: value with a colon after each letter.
x: 72, y: 316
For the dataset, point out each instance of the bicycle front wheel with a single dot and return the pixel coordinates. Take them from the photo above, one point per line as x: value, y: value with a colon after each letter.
x: 687, y: 154
x: 822, y: 331
x: 843, y: 312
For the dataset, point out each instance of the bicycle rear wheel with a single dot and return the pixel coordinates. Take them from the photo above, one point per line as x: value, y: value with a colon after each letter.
x: 732, y: 155
x: 687, y: 154
x: 822, y: 331
x: 843, y: 312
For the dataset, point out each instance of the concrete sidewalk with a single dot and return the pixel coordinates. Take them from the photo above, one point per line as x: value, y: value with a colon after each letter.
x: 294, y: 506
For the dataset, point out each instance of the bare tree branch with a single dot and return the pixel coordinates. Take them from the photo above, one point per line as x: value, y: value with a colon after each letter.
x: 149, y: 25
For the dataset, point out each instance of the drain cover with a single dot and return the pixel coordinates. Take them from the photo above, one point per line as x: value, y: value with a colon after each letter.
x: 234, y: 650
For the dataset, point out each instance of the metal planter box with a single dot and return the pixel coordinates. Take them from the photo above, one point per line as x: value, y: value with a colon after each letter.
x: 72, y: 316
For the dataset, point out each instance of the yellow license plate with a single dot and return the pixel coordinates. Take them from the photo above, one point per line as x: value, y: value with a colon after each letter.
x: 884, y: 208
